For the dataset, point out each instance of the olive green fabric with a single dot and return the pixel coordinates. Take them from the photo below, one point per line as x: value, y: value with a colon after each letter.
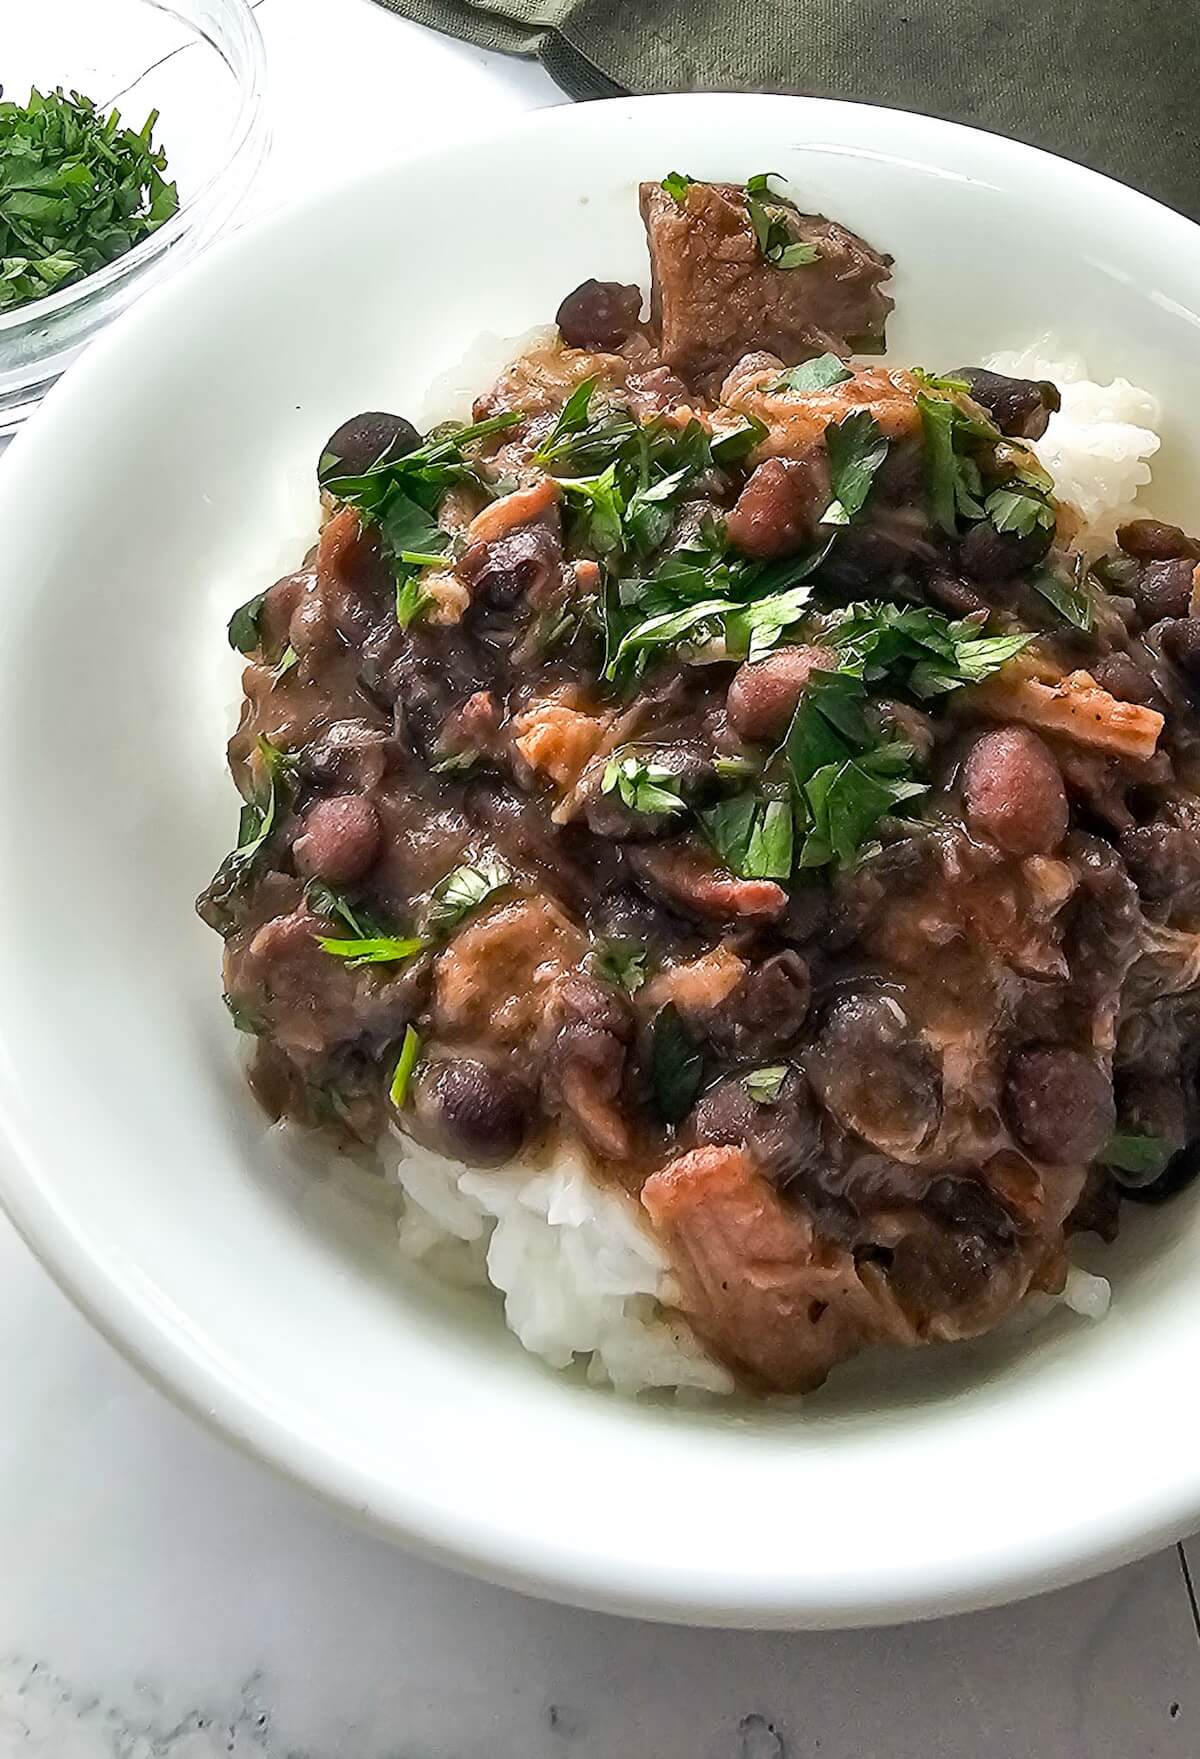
x: 1112, y: 83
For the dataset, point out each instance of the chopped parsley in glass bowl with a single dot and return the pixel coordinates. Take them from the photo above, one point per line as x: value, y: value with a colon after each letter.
x: 187, y: 82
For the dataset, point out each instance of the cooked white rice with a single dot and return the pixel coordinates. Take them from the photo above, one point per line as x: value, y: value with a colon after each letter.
x: 581, y: 1275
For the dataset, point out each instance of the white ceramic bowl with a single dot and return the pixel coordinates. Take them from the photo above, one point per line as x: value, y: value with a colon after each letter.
x: 154, y: 490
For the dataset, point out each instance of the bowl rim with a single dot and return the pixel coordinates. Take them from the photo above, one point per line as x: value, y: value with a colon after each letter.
x: 159, y: 1343
x: 249, y: 123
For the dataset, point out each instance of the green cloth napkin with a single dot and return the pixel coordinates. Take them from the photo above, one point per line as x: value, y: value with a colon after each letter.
x: 1111, y: 83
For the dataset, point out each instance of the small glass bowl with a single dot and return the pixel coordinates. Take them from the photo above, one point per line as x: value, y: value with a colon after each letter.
x: 200, y: 63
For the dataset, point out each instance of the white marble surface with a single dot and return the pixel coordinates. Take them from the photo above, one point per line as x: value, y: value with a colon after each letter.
x: 162, y: 1598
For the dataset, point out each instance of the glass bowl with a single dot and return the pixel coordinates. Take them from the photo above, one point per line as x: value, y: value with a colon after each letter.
x: 200, y: 64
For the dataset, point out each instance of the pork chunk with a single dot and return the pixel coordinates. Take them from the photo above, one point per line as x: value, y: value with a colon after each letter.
x: 714, y: 296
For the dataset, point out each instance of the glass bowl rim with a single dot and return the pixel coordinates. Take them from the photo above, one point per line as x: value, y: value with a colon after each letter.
x: 250, y: 81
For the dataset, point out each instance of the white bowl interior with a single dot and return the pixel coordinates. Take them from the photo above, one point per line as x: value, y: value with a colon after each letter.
x: 169, y: 477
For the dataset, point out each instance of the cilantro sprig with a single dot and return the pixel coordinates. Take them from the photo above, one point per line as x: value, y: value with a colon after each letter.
x: 77, y: 191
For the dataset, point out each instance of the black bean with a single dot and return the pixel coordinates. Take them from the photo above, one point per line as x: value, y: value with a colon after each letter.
x: 1163, y: 589
x: 1020, y: 408
x: 1163, y: 860
x: 365, y: 440
x: 471, y: 1110
x: 1181, y: 643
x: 1149, y: 540
x: 782, y: 1135
x: 987, y: 554
x: 599, y: 314
x: 1059, y: 1104
x: 764, y: 1013
x: 874, y: 1072
x: 778, y: 511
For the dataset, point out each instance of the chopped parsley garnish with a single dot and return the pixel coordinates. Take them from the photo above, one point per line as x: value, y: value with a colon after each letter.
x: 77, y: 191
x: 406, y: 1062
x: 821, y: 374
x: 844, y: 778
x: 287, y: 659
x: 1019, y: 510
x: 917, y: 649
x: 463, y: 890
x: 642, y: 786
x: 856, y: 448
x: 259, y: 817
x: 676, y: 1066
x: 677, y: 184
x: 767, y: 217
x: 1143, y: 1156
x: 735, y: 443
x: 322, y: 900
x: 620, y: 960
x: 763, y: 1085
x: 752, y: 836
x: 1069, y: 596
x: 955, y: 482
x: 244, y: 636
x: 939, y: 384
x: 380, y: 949
x: 602, y: 508
x: 400, y: 496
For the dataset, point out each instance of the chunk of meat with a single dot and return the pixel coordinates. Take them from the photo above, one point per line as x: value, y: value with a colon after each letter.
x: 491, y: 982
x: 541, y: 379
x: 713, y: 295
x: 763, y: 695
x: 1013, y: 792
x: 779, y: 510
x: 697, y: 987
x: 796, y: 420
x: 1019, y: 407
x: 873, y: 1071
x: 688, y: 878
x: 771, y: 1296
x: 587, y: 1029
x: 472, y: 728
x: 599, y: 314
x: 309, y: 1002
x: 514, y: 549
x: 471, y: 1110
x: 1059, y: 1103
x: 339, y: 841
x: 522, y: 507
x: 557, y: 737
x: 1074, y: 706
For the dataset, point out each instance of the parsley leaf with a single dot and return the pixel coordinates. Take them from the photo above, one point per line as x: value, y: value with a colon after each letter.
x: 572, y: 419
x: 940, y: 384
x: 763, y: 1085
x: 406, y: 1062
x: 677, y: 184
x: 775, y: 241
x: 620, y: 960
x: 668, y: 628
x: 463, y: 890
x: 411, y: 598
x: 380, y: 949
x: 77, y: 191
x: 856, y: 448
x: 821, y: 374
x: 955, y: 483
x: 322, y: 900
x: 1069, y: 597
x: 735, y: 443
x: 1144, y: 1156
x: 641, y: 785
x: 602, y: 509
x: 752, y: 836
x: 244, y: 634
x: 844, y: 779
x: 258, y: 818
x: 918, y: 649
x: 676, y: 1066
x: 1019, y: 511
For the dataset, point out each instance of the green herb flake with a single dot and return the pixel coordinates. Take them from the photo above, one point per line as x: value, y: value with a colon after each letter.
x: 259, y: 817
x: 955, y: 483
x: 857, y: 447
x: 821, y: 374
x: 677, y: 184
x: 763, y: 1085
x: 676, y: 1066
x: 939, y: 384
x: 322, y: 900
x: 412, y: 598
x: 77, y: 191
x: 371, y: 949
x: 1019, y: 511
x: 752, y: 836
x: 1070, y: 598
x: 642, y: 786
x: 620, y: 960
x: 406, y: 1062
x: 732, y: 446
x: 244, y: 636
x: 768, y: 219
x: 463, y: 890
x: 1145, y: 1157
